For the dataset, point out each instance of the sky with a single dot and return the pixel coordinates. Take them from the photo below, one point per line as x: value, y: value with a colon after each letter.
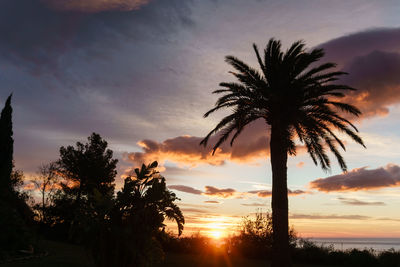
x: 141, y: 73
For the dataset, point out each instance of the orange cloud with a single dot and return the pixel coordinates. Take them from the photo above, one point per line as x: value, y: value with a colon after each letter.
x: 38, y: 187
x: 219, y: 193
x: 268, y: 193
x: 95, y: 6
x: 252, y: 144
x: 360, y: 179
x: 300, y: 164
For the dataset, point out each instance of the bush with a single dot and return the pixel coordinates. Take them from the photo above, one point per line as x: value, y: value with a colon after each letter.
x: 309, y: 253
x: 255, y: 238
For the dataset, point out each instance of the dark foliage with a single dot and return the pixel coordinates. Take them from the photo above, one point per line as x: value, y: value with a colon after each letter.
x: 87, y: 174
x: 88, y: 167
x: 16, y: 218
x: 256, y: 237
x: 129, y: 237
x: 309, y: 253
x: 6, y: 148
x: 195, y: 244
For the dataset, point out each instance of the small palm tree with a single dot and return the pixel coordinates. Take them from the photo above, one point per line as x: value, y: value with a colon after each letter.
x: 298, y: 102
x: 128, y: 238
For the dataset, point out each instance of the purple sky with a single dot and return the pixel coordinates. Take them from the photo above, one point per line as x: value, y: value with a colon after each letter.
x: 141, y: 73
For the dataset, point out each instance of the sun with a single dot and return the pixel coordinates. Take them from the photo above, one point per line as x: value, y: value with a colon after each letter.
x: 216, y: 234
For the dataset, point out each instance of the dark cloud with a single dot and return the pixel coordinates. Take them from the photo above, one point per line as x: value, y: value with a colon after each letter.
x: 229, y: 192
x: 360, y: 179
x: 343, y: 49
x: 376, y: 76
x: 186, y: 189
x: 94, y: 6
x: 36, y: 37
x: 268, y: 193
x: 357, y: 202
x: 209, y: 191
x: 328, y: 217
x: 372, y: 60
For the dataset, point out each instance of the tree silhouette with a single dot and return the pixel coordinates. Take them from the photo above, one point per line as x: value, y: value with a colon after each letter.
x: 15, y: 215
x: 45, y: 182
x: 88, y: 172
x: 6, y: 147
x: 89, y: 166
x: 297, y: 101
x: 128, y: 238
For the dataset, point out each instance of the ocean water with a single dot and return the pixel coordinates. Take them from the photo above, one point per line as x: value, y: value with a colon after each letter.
x: 377, y: 244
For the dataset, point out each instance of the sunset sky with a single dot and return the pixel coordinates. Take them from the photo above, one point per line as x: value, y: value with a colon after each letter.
x: 141, y: 73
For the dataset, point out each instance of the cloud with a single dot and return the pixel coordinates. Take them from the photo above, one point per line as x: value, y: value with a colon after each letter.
x: 194, y: 210
x: 41, y: 40
x: 212, y: 202
x: 388, y: 219
x: 356, y: 202
x: 186, y: 189
x: 253, y: 204
x: 94, y: 6
x: 212, y: 191
x: 300, y: 164
x: 376, y: 76
x: 372, y: 60
x: 209, y: 191
x: 360, y: 179
x: 219, y: 193
x: 328, y: 217
x: 176, y: 171
x: 252, y: 144
x: 268, y: 193
x: 345, y: 48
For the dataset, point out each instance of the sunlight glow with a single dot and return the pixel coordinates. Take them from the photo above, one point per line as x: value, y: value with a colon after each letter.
x: 216, y: 234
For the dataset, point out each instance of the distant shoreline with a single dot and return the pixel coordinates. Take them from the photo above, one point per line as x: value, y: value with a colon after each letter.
x: 378, y: 244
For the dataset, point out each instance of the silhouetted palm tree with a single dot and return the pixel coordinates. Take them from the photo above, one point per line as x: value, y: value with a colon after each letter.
x: 299, y: 102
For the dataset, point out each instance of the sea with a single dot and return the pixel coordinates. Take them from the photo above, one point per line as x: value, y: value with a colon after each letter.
x: 377, y: 244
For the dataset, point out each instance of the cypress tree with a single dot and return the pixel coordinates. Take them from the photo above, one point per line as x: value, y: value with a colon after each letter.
x: 15, y: 214
x: 6, y: 146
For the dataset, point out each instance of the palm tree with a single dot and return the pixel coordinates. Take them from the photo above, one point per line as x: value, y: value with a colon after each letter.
x: 298, y: 101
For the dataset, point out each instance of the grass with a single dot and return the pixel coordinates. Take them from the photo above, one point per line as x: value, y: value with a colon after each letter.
x: 63, y: 255
x: 184, y: 260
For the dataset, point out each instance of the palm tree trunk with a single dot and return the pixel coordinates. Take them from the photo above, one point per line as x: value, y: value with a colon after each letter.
x: 279, y: 202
